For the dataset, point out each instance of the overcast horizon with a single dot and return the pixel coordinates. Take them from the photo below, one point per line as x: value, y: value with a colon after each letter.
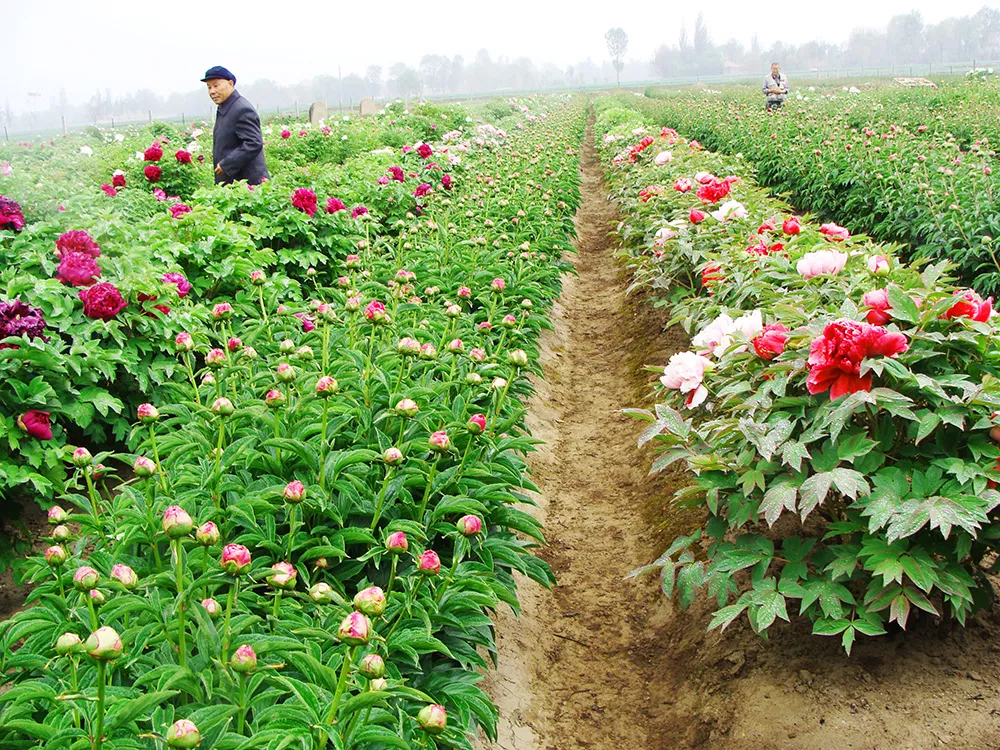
x: 66, y: 45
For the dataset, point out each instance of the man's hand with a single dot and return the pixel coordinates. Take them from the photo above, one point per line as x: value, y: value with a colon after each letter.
x: 218, y: 169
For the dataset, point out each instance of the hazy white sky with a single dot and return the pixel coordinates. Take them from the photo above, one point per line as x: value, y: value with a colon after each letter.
x: 128, y: 44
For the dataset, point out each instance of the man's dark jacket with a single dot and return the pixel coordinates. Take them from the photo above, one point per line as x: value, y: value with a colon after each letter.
x: 239, y: 145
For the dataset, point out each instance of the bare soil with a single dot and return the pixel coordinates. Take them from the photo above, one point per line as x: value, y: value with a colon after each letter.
x: 601, y: 662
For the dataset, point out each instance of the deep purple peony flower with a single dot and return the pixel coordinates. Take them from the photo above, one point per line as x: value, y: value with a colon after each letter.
x: 10, y: 215
x: 77, y: 241
x: 18, y: 319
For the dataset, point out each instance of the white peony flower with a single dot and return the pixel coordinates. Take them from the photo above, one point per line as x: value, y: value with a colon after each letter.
x: 119, y: 137
x: 86, y: 150
x: 730, y: 210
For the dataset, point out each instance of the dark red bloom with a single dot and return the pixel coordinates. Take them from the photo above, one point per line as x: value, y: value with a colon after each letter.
x: 109, y: 190
x: 335, y: 204
x: 78, y: 269
x: 153, y: 153
x: 102, y: 301
x: 77, y: 241
x: 10, y: 215
x: 118, y: 180
x: 36, y: 423
x: 397, y: 174
x: 447, y: 182
x: 835, y: 357
x: 422, y: 189
x: 18, y: 319
x: 771, y: 341
x: 425, y: 150
x: 153, y: 173
x: 184, y: 157
x: 358, y: 211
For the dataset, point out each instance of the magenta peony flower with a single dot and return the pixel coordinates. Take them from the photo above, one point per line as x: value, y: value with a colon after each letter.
x: 109, y: 190
x: 78, y: 269
x: 425, y: 150
x: 118, y: 179
x: 375, y: 312
x: 153, y: 173
x: 358, y: 211
x: 397, y: 544
x: 77, y: 241
x: 178, y: 280
x: 18, y: 319
x: 447, y: 182
x: 304, y: 199
x: 334, y: 204
x: 397, y: 174
x: 476, y: 424
x: 422, y: 189
x: 184, y: 157
x: 154, y: 152
x: 179, y: 209
x: 11, y: 216
x: 469, y: 525
x: 102, y: 301
x: 286, y: 133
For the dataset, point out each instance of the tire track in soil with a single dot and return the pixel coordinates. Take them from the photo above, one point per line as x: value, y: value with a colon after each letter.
x: 584, y: 666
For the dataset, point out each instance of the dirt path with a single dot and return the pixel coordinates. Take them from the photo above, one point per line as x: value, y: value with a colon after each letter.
x: 603, y: 663
x: 581, y: 669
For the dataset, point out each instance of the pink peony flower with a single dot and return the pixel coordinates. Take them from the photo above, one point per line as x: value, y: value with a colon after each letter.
x: 683, y: 184
x: 286, y: 133
x: 878, y: 304
x: 235, y: 559
x: 834, y: 232
x: 304, y: 199
x: 77, y: 241
x: 685, y: 373
x: 429, y: 563
x: 970, y: 305
x: 358, y: 211
x: 397, y: 544
x: 878, y: 265
x: 78, y: 269
x: 179, y: 209
x: 771, y: 341
x: 177, y: 279
x: 334, y: 204
x: 355, y: 629
x: 821, y: 263
x: 109, y: 190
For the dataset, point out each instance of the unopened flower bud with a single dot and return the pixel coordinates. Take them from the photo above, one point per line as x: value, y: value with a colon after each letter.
x: 326, y: 386
x: 57, y: 515
x: 82, y: 458
x: 85, y: 578
x: 379, y: 683
x: 474, y: 378
x: 439, y: 441
x: 433, y: 719
x: 287, y: 346
x: 61, y: 533
x: 321, y: 593
x: 144, y: 467
x: 476, y: 424
x: 257, y: 278
x: 283, y: 576
x: 222, y: 311
x: 207, y: 534
x: 370, y: 601
x: 407, y: 408
x: 429, y: 563
x: 392, y: 456
x: 373, y: 666
x: 55, y: 556
x: 305, y: 353
x: 104, y: 644
x: 294, y: 492
x: 274, y: 398
x: 177, y: 522
x: 147, y: 413
x: 68, y: 643
x: 455, y: 346
x: 234, y: 344
x: 212, y: 608
x: 215, y: 358
x: 355, y: 629
x: 183, y: 734
x: 397, y: 544
x: 244, y: 660
x: 125, y: 576
x: 518, y: 357
x: 183, y: 342
x: 285, y: 372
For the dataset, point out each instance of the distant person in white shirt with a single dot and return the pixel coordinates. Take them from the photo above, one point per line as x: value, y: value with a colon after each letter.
x: 775, y: 88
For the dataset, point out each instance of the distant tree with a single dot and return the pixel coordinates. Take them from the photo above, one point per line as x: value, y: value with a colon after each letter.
x: 373, y: 79
x: 663, y: 61
x: 457, y: 74
x: 702, y: 40
x: 404, y: 81
x: 905, y: 38
x: 617, y: 41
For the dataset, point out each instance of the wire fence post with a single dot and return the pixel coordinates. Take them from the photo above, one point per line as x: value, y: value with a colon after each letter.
x: 150, y: 117
x: 64, y: 124
x: 5, y: 136
x: 296, y: 109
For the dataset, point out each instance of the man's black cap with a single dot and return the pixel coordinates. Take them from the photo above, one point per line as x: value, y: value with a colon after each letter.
x: 218, y: 72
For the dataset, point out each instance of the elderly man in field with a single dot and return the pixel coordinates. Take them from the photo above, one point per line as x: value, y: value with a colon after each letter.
x: 238, y: 147
x: 775, y: 88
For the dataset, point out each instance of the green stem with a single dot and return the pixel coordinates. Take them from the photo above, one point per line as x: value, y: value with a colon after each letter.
x: 341, y: 684
x: 217, y: 495
x: 326, y: 345
x: 98, y: 740
x: 94, y: 622
x: 94, y: 506
x: 503, y: 396
x: 456, y: 561
x: 392, y: 576
x: 277, y: 434
x: 410, y: 598
x: 190, y: 371
x: 57, y: 572
x: 323, y: 445
x: 179, y: 577
x: 233, y: 593
x: 381, y: 498
x: 156, y: 458
x: 427, y: 492
x: 276, y: 609
x: 74, y: 684
x: 291, y: 531
x: 242, y: 704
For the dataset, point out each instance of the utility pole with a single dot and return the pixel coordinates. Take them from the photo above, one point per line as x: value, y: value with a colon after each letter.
x: 340, y: 78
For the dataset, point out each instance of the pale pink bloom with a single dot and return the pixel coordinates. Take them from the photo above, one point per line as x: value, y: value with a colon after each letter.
x: 664, y: 157
x: 822, y: 263
x: 716, y: 337
x: 685, y: 373
x: 730, y: 210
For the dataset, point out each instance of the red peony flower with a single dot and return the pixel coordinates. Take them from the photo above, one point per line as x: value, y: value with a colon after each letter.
x: 335, y: 204
x: 153, y: 173
x: 78, y: 269
x: 425, y: 150
x: 711, y: 275
x: 422, y: 189
x: 771, y: 341
x: 36, y: 423
x: 791, y: 226
x: 102, y: 301
x: 714, y: 191
x: 118, y: 180
x: 878, y: 302
x: 970, y: 305
x: 153, y: 153
x: 77, y: 241
x: 184, y: 157
x: 304, y: 199
x: 109, y: 190
x: 696, y: 216
x: 835, y: 357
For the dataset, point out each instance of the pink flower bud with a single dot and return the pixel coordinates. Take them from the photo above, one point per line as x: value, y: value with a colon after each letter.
x: 464, y: 292
x: 61, y: 533
x: 257, y: 278
x: 433, y: 718
x: 147, y: 413
x: 82, y: 458
x: 215, y: 358
x: 355, y: 629
x: 68, y: 643
x: 235, y: 559
x: 485, y: 326
x: 222, y: 311
x: 476, y: 424
x: 372, y: 666
x: 244, y: 660
x: 477, y: 355
x: 125, y: 576
x: 469, y: 525
x: 144, y: 467
x: 283, y: 576
x: 56, y: 556
x: 474, y: 378
x: 287, y: 346
x: 498, y: 384
x: 207, y: 534
x: 455, y: 346
x: 509, y: 321
x: 393, y: 456
x: 429, y: 563
x: 274, y: 398
x: 212, y: 608
x: 305, y: 353
x: 326, y: 386
x: 439, y: 441
x: 407, y: 408
x: 234, y: 344
x: 85, y: 578
x: 183, y: 342
x: 177, y: 522
x: 183, y: 734
x: 408, y: 346
x: 321, y: 593
x: 285, y: 372
x: 208, y: 379
x: 518, y: 357
x: 104, y: 644
x: 375, y: 312
x: 878, y: 265
x: 453, y: 311
x: 498, y: 285
x: 57, y: 515
x: 223, y: 407
x: 295, y: 491
x: 428, y: 351
x: 370, y: 601
x: 397, y: 544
